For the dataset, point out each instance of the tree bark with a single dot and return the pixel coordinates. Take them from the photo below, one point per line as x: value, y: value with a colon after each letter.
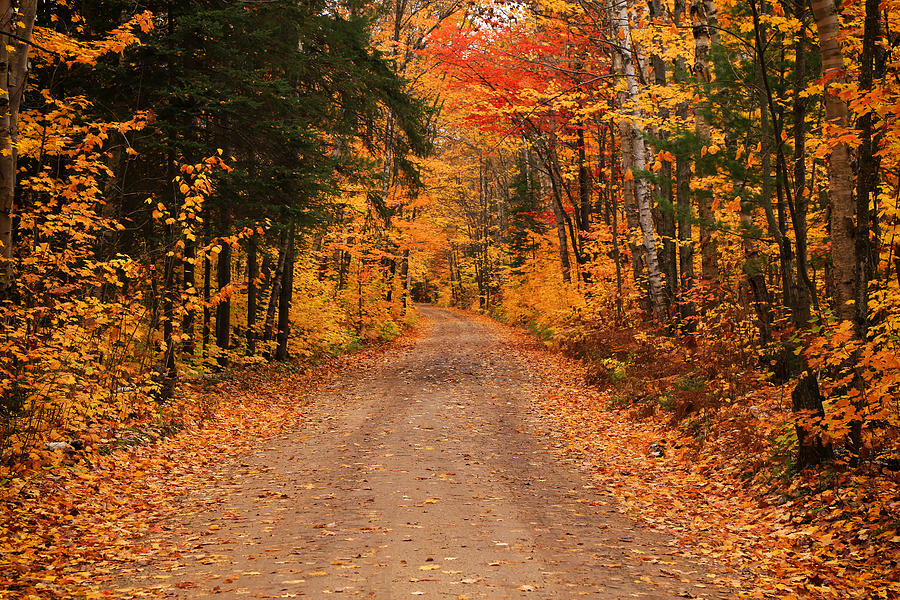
x: 869, y: 162
x: 189, y: 264
x: 683, y: 208
x: 275, y: 293
x: 642, y: 188
x: 806, y: 398
x: 14, y: 68
x: 405, y: 277
x: 207, y: 296
x: 252, y: 290
x: 840, y: 172
x: 614, y: 226
x: 584, y: 182
x: 454, y: 282
x: 668, y: 256
x: 805, y: 288
x: 559, y: 215
x: 223, y: 308
x: 284, y: 302
x: 709, y: 250
x: 770, y: 135
x: 626, y: 141
x: 169, y: 367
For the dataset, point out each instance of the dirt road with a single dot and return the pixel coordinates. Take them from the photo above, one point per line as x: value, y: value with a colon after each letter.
x: 421, y: 478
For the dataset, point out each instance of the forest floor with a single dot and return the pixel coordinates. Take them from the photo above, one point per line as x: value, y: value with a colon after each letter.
x: 463, y: 461
x: 422, y: 470
x: 421, y: 476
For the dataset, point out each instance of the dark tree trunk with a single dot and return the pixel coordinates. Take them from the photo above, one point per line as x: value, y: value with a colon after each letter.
x: 806, y: 398
x: 207, y: 310
x: 346, y: 257
x: 391, y: 279
x: 404, y: 278
x: 685, y: 239
x: 867, y: 177
x: 252, y: 302
x: 284, y: 302
x: 223, y: 308
x: 705, y: 34
x: 454, y: 281
x: 558, y: 185
x: 584, y: 184
x: 275, y: 293
x: 169, y: 364
x: 617, y: 257
x: 560, y: 215
x: 867, y: 180
x: 683, y: 174
x: 668, y: 255
x: 768, y: 120
x: 805, y: 288
x: 190, y: 315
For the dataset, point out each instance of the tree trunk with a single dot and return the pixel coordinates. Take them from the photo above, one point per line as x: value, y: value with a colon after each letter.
x: 771, y: 132
x: 275, y: 293
x: 683, y: 208
x: 642, y: 188
x: 405, y: 278
x: 668, y: 256
x: 169, y: 368
x: 284, y: 302
x: 869, y: 162
x: 14, y: 67
x: 626, y: 141
x: 346, y: 257
x: 560, y: 217
x: 709, y: 250
x: 207, y: 296
x: 753, y: 267
x: 558, y: 186
x: 805, y: 288
x: 451, y: 259
x: 189, y: 264
x: 392, y: 277
x: 806, y: 398
x: 685, y: 235
x: 252, y: 309
x: 840, y: 172
x: 223, y: 308
x: 584, y: 182
x: 616, y: 253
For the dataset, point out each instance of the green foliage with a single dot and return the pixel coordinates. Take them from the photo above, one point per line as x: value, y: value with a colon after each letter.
x: 616, y: 370
x: 692, y: 383
x: 524, y: 203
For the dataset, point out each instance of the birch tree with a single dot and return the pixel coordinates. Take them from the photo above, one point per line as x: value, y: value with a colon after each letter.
x: 840, y: 172
x: 643, y: 191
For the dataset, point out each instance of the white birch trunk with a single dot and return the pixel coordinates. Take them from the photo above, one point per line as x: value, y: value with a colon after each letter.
x: 643, y: 192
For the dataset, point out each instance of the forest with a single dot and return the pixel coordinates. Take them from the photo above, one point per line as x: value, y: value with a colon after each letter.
x: 689, y: 206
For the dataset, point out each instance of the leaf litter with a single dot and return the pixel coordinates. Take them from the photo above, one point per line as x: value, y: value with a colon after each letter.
x: 77, y: 527
x: 819, y: 536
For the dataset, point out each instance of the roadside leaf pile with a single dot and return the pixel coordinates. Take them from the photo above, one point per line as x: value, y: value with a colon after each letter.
x: 829, y: 535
